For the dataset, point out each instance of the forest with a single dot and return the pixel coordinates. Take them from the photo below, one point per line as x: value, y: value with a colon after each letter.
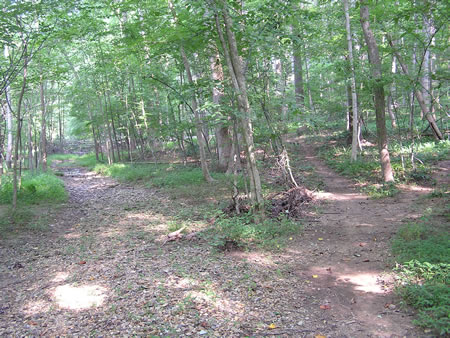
x: 224, y: 168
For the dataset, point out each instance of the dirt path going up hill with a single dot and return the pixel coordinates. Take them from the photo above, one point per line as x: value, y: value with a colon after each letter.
x: 347, y: 249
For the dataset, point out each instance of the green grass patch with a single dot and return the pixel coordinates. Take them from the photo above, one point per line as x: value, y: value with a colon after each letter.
x: 11, y: 219
x: 87, y: 160
x: 180, y: 182
x: 242, y: 232
x: 381, y: 191
x: 61, y: 157
x: 25, y: 217
x: 422, y: 252
x: 35, y: 189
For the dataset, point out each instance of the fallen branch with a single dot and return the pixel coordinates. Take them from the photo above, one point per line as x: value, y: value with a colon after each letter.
x: 174, y: 236
x: 177, y: 235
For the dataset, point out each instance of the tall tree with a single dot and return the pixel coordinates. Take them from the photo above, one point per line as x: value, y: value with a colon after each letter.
x: 355, y: 131
x: 378, y: 92
x: 237, y: 75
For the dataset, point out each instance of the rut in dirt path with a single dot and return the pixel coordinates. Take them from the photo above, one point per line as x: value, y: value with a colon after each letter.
x: 349, y: 247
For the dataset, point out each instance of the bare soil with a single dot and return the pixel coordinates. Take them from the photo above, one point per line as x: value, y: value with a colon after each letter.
x: 103, y: 269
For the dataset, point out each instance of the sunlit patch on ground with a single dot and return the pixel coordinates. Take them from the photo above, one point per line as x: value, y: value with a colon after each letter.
x: 366, y: 282
x: 79, y: 297
x: 416, y: 188
x: 181, y: 283
x: 208, y: 298
x: 257, y: 258
x: 72, y: 235
x: 140, y: 216
x: 60, y: 276
x: 339, y: 197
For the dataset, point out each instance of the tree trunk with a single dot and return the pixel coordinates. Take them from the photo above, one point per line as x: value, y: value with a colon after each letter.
x: 298, y: 70
x: 43, y: 128
x: 30, y: 144
x: 349, y: 112
x: 238, y: 79
x: 109, y: 142
x: 311, y: 103
x: 19, y: 128
x: 93, y: 131
x: 222, y: 132
x: 352, y: 85
x: 419, y: 96
x: 391, y: 99
x: 9, y: 129
x: 2, y: 140
x: 378, y: 91
x: 114, y: 128
x: 198, y: 122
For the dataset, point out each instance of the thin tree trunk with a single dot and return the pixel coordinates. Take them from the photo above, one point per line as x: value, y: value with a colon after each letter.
x: 19, y: 128
x: 114, y: 128
x: 222, y: 131
x: 419, y: 96
x: 93, y: 131
x: 391, y: 99
x: 311, y: 103
x: 198, y: 122
x: 30, y: 144
x: 238, y: 79
x: 352, y: 84
x: 43, y: 128
x: 2, y: 140
x: 109, y: 142
x: 9, y: 129
x: 298, y: 70
x: 378, y: 90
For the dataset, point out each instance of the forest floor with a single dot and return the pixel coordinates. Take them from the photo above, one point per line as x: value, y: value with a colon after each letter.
x: 103, y: 268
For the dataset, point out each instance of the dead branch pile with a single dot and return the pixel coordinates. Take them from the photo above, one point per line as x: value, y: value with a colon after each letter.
x: 292, y: 202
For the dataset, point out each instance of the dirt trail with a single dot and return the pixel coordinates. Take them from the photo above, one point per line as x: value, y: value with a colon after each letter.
x: 102, y: 270
x: 348, y: 251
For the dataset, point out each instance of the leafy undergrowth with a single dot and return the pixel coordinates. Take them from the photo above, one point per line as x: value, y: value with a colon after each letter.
x: 366, y: 170
x: 35, y: 189
x: 423, y: 268
x: 242, y: 232
x: 43, y: 189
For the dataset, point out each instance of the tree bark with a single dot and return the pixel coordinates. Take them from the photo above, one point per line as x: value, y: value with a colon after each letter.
x: 419, y: 95
x: 43, y: 127
x: 239, y: 84
x: 19, y: 128
x: 352, y: 85
x: 30, y: 144
x: 198, y: 122
x: 298, y: 70
x: 222, y: 131
x: 378, y: 91
x: 391, y: 99
x: 9, y: 130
